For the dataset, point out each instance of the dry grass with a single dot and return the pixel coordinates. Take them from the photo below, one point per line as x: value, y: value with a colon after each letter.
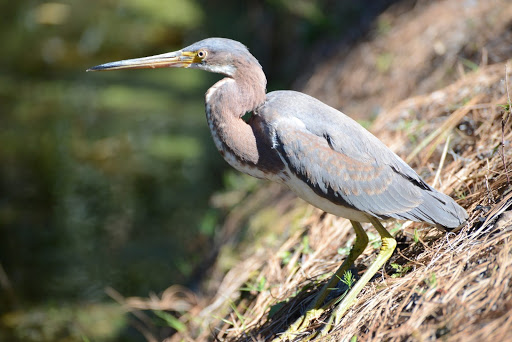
x: 413, y: 51
x: 454, y: 286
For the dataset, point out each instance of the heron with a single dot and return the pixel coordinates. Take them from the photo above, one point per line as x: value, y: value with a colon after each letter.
x: 321, y: 154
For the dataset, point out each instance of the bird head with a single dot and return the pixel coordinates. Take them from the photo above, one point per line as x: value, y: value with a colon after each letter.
x: 218, y: 55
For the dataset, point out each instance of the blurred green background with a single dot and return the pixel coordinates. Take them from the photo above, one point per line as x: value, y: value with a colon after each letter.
x: 105, y: 178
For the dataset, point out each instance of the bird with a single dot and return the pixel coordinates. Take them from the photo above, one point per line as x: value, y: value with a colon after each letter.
x: 322, y: 155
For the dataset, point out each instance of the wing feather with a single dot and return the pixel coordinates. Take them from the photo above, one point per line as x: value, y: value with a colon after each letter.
x: 345, y: 164
x: 338, y: 158
x: 370, y: 186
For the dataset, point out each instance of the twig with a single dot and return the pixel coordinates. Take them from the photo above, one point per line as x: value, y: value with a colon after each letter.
x: 497, y: 210
x: 449, y: 123
x: 441, y: 162
x: 489, y: 191
x: 504, y: 121
x: 144, y: 320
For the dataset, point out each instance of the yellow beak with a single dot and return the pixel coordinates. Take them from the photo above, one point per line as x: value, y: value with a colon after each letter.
x: 177, y: 59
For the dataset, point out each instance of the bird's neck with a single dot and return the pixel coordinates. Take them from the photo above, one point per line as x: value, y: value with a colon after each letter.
x: 226, y: 103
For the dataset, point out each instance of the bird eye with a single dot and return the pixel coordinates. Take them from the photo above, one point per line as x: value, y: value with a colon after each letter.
x: 201, y: 54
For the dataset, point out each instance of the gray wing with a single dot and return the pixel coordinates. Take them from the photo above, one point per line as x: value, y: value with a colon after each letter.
x: 344, y: 163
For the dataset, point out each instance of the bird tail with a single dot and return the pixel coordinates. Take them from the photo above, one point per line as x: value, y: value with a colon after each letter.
x: 440, y: 210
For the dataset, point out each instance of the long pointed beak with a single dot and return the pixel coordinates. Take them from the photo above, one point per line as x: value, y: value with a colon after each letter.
x: 177, y: 59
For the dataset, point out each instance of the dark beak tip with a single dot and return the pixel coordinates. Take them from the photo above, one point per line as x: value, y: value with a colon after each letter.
x: 95, y: 68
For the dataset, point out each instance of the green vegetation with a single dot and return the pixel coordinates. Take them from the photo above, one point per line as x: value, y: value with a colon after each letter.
x: 348, y: 279
x: 93, y: 322
x: 400, y: 270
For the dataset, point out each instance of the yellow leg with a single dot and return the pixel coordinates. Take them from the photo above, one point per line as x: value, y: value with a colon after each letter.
x: 358, y: 248
x: 315, y: 310
x: 387, y: 248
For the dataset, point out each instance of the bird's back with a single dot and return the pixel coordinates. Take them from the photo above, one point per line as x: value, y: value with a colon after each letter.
x: 337, y: 165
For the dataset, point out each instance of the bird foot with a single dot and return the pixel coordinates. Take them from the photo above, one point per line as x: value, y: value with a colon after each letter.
x: 334, y: 288
x: 300, y: 325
